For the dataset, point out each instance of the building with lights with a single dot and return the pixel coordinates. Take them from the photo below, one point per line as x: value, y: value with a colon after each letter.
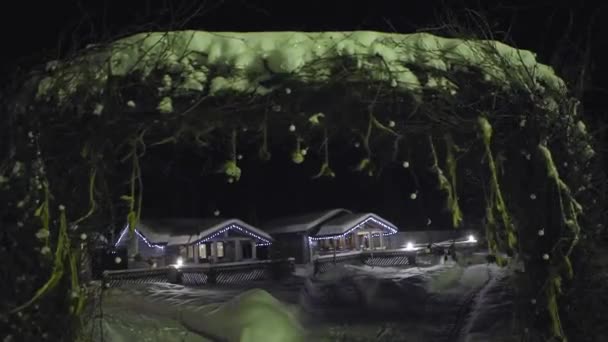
x: 166, y: 241
x: 328, y: 232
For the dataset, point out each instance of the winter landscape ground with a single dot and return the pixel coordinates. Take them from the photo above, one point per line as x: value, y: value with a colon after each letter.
x: 468, y: 301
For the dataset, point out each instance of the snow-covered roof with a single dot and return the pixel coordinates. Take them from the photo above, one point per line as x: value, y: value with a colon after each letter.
x: 243, y: 62
x: 185, y: 231
x: 350, y: 222
x: 302, y: 223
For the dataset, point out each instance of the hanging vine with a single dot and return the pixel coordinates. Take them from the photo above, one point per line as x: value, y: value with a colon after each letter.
x: 326, y: 170
x: 135, y: 197
x: 498, y: 203
x: 445, y: 184
x: 62, y: 254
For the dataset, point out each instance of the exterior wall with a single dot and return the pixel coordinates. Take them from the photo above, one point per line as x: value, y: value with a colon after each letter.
x: 291, y: 246
x: 400, y: 239
x: 236, y: 247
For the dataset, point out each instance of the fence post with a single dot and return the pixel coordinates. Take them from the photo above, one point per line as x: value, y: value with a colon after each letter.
x: 174, y: 275
x: 212, y: 276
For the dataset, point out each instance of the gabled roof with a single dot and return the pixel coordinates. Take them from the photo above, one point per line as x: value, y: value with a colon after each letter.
x: 303, y: 223
x: 350, y: 222
x: 181, y: 231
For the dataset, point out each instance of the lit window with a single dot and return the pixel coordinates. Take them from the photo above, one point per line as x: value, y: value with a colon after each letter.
x: 220, y: 249
x: 202, y: 251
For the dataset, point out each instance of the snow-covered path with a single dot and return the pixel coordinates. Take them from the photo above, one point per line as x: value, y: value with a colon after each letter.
x: 352, y: 303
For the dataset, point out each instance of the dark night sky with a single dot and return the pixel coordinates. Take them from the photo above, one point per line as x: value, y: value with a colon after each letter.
x: 34, y: 30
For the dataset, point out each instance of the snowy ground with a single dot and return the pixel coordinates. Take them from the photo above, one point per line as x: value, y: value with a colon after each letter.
x: 447, y: 302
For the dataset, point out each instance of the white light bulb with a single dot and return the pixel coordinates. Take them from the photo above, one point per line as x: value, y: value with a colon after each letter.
x: 541, y: 232
x: 292, y: 128
x: 532, y: 196
x: 61, y: 207
x: 413, y: 195
x: 428, y: 221
x: 288, y: 91
x: 83, y: 236
x: 533, y: 301
x: 545, y: 256
x: 391, y: 123
x: 406, y: 164
x: 117, y: 260
x: 304, y: 151
x: 216, y: 213
x: 230, y: 180
x: 357, y: 144
x: 409, y: 246
x: 239, y: 157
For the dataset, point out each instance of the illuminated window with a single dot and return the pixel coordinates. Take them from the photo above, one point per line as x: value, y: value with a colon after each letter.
x: 202, y: 251
x: 220, y: 249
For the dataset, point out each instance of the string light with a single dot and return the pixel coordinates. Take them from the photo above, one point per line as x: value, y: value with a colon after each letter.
x: 151, y: 245
x: 392, y: 230
x: 264, y: 241
x: 122, y: 234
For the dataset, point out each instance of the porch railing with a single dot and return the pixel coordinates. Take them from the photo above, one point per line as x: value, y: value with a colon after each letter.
x: 201, y: 274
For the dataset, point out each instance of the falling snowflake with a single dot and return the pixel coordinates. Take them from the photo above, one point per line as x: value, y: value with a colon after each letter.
x: 42, y: 233
x: 98, y: 109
